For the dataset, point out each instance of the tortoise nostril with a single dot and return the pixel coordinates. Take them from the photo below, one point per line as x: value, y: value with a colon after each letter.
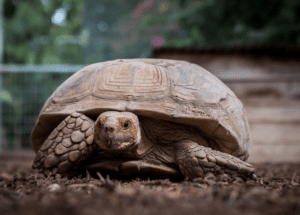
x: 109, y: 129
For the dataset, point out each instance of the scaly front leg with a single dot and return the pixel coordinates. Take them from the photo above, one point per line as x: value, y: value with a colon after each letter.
x: 69, y: 144
x: 195, y: 160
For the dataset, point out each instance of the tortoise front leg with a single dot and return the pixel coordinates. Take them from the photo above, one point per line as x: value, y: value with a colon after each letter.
x: 69, y: 144
x: 195, y: 160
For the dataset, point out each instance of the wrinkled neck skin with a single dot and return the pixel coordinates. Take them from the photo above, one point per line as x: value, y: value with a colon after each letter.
x: 142, y: 146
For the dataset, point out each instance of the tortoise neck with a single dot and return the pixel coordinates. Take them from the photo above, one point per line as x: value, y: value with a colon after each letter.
x: 143, y: 145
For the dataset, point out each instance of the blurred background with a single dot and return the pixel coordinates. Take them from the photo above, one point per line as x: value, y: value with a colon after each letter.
x: 253, y: 46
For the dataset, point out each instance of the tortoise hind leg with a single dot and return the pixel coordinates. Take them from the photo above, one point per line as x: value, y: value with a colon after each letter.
x: 195, y: 160
x: 69, y: 144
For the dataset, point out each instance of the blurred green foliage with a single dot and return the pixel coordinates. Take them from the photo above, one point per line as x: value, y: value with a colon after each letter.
x: 31, y: 37
x: 237, y: 22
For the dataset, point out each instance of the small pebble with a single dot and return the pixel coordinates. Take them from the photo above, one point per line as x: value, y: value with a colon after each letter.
x: 53, y: 187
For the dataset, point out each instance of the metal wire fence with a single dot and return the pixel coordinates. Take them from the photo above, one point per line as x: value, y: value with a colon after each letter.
x: 24, y: 91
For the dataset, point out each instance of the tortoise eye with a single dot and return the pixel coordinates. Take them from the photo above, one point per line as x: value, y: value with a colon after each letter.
x: 126, y: 124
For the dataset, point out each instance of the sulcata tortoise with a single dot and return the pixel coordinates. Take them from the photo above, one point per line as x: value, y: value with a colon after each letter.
x: 152, y: 117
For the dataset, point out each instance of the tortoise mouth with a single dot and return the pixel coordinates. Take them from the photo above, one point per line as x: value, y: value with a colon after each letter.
x: 116, y: 145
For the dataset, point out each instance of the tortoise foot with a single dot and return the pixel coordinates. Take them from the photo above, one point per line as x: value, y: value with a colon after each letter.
x: 69, y: 144
x: 195, y: 161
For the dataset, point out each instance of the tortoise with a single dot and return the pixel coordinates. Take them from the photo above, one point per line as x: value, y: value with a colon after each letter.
x: 154, y: 117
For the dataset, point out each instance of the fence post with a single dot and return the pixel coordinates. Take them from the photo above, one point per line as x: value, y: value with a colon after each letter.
x: 1, y: 64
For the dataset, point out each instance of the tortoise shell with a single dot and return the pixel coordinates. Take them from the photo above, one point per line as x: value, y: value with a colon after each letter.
x: 171, y: 90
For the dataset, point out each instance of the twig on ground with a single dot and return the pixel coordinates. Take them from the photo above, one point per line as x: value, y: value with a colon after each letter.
x: 100, y: 177
x: 293, y: 183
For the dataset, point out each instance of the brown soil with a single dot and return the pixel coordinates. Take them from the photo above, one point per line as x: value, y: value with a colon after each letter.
x: 277, y: 191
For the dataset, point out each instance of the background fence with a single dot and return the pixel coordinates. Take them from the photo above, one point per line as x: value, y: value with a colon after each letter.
x: 24, y: 91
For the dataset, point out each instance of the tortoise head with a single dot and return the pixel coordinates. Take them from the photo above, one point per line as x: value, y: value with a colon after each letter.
x: 117, y: 131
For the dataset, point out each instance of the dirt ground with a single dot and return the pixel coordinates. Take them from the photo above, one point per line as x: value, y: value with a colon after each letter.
x: 277, y: 191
